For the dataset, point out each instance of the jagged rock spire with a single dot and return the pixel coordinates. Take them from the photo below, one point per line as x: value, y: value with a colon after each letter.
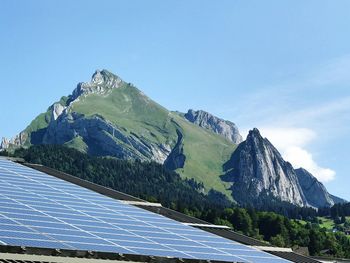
x: 256, y: 168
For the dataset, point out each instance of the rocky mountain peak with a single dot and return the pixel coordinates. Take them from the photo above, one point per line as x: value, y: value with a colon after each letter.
x: 97, y: 78
x: 219, y: 126
x: 259, y: 143
x: 102, y: 82
x: 314, y: 191
x: 255, y: 133
x: 18, y: 140
x: 254, y: 136
x: 256, y: 168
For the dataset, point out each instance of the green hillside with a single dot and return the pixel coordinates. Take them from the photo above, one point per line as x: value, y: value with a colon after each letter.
x: 205, y: 154
x: 137, y: 116
x: 129, y: 108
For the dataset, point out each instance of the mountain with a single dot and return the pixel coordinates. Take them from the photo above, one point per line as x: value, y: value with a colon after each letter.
x: 208, y: 121
x: 314, y: 191
x: 108, y: 116
x: 338, y: 200
x: 258, y: 170
x: 259, y: 174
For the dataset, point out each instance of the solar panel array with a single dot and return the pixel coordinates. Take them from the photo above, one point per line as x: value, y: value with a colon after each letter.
x: 40, y: 210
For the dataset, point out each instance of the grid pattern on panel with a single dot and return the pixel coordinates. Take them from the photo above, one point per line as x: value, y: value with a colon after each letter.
x: 39, y: 210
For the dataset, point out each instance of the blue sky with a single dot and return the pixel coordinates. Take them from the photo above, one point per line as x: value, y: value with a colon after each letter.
x: 281, y: 66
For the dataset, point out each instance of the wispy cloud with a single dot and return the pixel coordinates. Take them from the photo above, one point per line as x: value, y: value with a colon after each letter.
x: 300, y: 157
x: 301, y: 112
x: 291, y: 142
x: 318, y: 93
x: 329, y: 73
x: 321, y: 114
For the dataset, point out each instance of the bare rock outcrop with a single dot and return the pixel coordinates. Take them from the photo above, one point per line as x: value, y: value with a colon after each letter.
x: 219, y: 126
x: 257, y: 169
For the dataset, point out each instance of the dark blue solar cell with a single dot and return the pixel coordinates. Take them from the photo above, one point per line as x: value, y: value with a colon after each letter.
x: 114, y: 220
x: 173, y: 227
x: 27, y: 199
x: 203, y: 237
x: 199, y: 249
x: 129, y: 237
x: 35, y: 243
x: 91, y: 223
x: 61, y: 231
x: 4, y: 220
x: 224, y: 245
x: 66, y: 215
x: 82, y: 239
x: 45, y: 224
x: 26, y: 235
x: 14, y: 227
x: 162, y: 253
x: 145, y: 245
x: 222, y: 257
x: 93, y: 229
x: 34, y: 217
x: 102, y: 214
x: 245, y: 252
x: 173, y: 241
x: 99, y: 247
x: 139, y: 228
x: 153, y: 234
x: 264, y: 260
x: 53, y: 208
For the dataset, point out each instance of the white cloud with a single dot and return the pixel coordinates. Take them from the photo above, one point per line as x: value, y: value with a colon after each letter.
x: 325, y: 113
x: 317, y: 98
x: 291, y: 143
x: 299, y: 157
x: 283, y: 138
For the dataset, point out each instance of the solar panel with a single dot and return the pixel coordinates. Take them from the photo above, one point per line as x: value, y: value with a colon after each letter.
x: 40, y: 210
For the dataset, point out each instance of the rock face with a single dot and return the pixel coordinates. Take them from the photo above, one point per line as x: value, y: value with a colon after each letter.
x: 57, y: 110
x: 314, y: 191
x: 208, y: 121
x: 18, y: 140
x: 102, y: 138
x: 97, y: 134
x: 4, y: 144
x: 257, y: 169
x: 338, y: 200
x: 176, y: 159
x: 101, y: 82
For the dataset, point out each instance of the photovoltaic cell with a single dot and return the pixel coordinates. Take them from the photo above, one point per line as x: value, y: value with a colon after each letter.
x: 40, y: 210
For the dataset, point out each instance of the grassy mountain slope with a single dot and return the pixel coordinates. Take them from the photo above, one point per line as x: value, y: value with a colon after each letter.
x: 205, y: 153
x: 129, y: 108
x: 134, y: 114
x: 41, y: 122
